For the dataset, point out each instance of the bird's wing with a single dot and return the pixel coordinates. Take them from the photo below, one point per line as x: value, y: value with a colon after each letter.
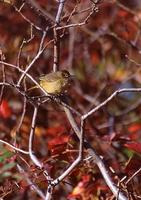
x: 51, y: 77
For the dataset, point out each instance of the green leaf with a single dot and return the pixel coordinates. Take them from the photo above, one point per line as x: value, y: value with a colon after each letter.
x: 8, y: 166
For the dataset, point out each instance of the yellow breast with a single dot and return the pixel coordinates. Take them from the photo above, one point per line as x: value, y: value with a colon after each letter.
x: 54, y: 87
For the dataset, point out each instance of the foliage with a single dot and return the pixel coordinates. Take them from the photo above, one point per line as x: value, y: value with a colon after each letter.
x: 99, y: 42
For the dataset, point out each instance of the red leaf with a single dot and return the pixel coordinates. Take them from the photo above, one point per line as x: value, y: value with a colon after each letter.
x: 60, y: 140
x: 5, y: 110
x: 53, y: 131
x: 134, y: 146
x: 134, y: 130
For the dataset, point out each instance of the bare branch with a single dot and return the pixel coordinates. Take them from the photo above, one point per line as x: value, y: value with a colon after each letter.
x: 30, y: 145
x: 40, y: 51
x: 33, y: 186
x: 25, y: 18
x: 98, y: 161
x: 31, y: 138
x: 109, y: 99
x: 14, y: 148
x: 41, y: 11
x: 135, y: 174
x: 57, y: 36
x: 26, y: 74
x: 3, y: 76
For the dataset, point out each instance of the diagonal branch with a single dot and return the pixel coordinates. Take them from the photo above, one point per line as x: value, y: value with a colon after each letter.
x: 109, y: 99
x: 40, y: 10
x: 92, y: 153
x: 40, y: 51
x: 14, y: 148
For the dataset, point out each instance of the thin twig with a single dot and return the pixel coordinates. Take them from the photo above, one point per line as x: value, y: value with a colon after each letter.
x: 109, y: 99
x: 22, y: 115
x: 71, y: 47
x: 32, y: 185
x: 26, y: 74
x: 135, y: 174
x: 94, y: 9
x: 25, y: 18
x: 14, y: 148
x: 40, y: 51
x: 22, y: 45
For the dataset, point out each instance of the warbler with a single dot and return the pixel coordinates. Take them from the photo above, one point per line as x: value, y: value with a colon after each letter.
x: 55, y: 83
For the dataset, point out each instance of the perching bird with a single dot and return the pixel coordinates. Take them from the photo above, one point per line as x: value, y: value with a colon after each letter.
x: 55, y: 83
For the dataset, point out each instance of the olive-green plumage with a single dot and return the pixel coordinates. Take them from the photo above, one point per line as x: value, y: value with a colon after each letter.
x: 55, y: 82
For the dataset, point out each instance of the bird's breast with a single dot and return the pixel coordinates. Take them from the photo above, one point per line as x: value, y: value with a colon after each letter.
x: 54, y: 87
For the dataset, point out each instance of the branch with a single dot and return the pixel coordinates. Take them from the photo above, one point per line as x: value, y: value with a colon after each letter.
x: 92, y: 153
x: 3, y: 75
x: 33, y: 186
x: 31, y: 137
x: 40, y: 51
x: 25, y: 18
x: 71, y: 167
x: 135, y: 174
x: 40, y: 10
x: 30, y: 145
x: 57, y: 36
x: 14, y: 148
x: 109, y: 99
x: 26, y: 74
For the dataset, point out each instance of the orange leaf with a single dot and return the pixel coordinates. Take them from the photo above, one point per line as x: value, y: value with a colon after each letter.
x: 134, y: 128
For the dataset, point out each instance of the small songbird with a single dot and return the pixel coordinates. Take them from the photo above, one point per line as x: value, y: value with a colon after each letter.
x: 55, y: 83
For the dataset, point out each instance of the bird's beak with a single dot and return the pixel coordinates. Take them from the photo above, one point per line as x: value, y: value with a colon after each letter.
x: 72, y: 76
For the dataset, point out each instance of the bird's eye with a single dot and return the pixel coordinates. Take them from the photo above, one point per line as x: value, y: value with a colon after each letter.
x: 65, y: 74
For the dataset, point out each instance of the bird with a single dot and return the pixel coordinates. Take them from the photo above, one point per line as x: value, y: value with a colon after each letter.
x: 55, y: 83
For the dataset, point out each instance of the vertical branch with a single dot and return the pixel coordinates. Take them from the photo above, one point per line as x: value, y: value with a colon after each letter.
x: 82, y: 125
x: 30, y: 145
x: 49, y: 193
x: 57, y: 36
x: 56, y: 50
x: 22, y: 116
x: 3, y: 76
x: 71, y: 47
x: 31, y: 138
x: 22, y: 45
x: 23, y: 113
x: 60, y: 10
